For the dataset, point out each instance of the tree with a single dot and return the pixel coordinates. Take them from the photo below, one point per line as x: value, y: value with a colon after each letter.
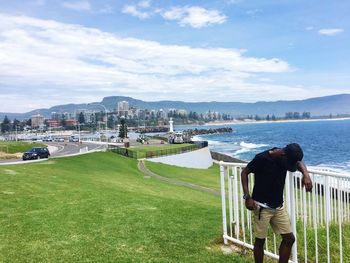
x: 110, y: 122
x: 268, y: 117
x: 81, y: 118
x: 273, y: 117
x: 123, y: 130
x: 289, y: 115
x: 296, y: 115
x: 16, y: 125
x: 5, y: 125
x: 306, y: 115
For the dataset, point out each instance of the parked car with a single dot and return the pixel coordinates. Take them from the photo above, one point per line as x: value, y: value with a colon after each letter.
x: 73, y: 139
x: 59, y: 139
x: 36, y: 153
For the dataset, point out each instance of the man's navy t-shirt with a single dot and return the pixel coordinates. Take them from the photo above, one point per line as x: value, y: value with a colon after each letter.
x: 270, y: 177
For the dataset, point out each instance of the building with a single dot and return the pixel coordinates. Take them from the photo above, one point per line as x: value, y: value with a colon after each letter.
x: 37, y: 120
x: 123, y: 108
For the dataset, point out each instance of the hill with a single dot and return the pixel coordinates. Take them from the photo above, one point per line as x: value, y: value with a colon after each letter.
x: 320, y: 106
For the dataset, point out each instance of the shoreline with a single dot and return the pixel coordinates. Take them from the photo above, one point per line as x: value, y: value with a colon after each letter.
x: 277, y: 121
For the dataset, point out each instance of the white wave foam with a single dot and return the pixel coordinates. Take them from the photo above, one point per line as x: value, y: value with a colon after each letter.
x: 251, y: 145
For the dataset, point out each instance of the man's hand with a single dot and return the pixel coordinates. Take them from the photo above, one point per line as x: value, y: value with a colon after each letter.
x: 250, y: 204
x: 306, y: 181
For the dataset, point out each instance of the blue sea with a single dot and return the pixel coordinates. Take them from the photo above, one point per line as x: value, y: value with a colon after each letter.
x: 326, y: 143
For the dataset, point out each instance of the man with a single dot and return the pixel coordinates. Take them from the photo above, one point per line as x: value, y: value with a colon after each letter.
x: 270, y: 168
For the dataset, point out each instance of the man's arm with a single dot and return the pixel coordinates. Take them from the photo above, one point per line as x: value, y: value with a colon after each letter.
x: 249, y: 202
x: 306, y: 180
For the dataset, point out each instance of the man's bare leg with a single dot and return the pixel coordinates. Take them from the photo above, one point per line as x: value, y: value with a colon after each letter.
x: 286, y: 247
x: 259, y: 250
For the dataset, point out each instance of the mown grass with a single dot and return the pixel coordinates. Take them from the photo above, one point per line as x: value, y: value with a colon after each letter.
x: 100, y: 208
x: 18, y: 147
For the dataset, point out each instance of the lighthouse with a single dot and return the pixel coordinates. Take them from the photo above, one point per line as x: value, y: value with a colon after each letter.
x: 171, y: 128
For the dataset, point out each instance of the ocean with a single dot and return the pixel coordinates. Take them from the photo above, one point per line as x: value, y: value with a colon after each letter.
x: 326, y: 143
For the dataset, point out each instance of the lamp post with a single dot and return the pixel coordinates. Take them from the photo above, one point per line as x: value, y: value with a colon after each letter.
x: 95, y: 103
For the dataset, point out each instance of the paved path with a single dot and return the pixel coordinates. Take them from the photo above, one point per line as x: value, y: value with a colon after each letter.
x: 142, y: 167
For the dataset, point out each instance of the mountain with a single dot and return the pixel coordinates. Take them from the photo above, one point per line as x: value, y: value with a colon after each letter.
x: 335, y: 104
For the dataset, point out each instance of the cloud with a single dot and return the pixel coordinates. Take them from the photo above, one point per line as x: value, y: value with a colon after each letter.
x: 330, y: 31
x: 194, y: 16
x: 77, y: 5
x: 134, y: 11
x: 45, y: 62
x: 144, y: 4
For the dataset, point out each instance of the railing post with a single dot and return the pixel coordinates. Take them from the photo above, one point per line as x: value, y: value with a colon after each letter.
x: 223, y: 201
x: 229, y: 182
x: 235, y: 201
x: 327, y: 204
x: 292, y: 216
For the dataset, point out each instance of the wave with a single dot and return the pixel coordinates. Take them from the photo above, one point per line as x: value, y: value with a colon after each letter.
x: 251, y: 145
x: 246, y: 147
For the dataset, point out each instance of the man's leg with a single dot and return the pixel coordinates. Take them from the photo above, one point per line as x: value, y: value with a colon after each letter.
x: 259, y: 250
x: 286, y: 247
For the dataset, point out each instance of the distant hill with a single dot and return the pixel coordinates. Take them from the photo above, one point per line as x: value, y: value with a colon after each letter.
x: 335, y: 104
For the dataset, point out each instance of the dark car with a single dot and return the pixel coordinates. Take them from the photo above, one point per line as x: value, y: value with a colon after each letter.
x: 36, y: 153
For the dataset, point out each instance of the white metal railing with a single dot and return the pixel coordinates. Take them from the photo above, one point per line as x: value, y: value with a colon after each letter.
x: 317, y: 217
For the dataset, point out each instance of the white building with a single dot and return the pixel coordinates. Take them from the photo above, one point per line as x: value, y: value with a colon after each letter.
x: 37, y: 120
x: 123, y: 108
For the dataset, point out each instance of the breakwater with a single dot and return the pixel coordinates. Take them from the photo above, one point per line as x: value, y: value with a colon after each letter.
x: 196, y: 131
x: 152, y: 129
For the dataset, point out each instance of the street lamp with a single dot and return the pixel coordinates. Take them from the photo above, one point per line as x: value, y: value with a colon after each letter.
x: 99, y: 104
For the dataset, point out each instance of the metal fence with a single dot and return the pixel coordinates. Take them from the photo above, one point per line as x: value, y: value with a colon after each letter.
x: 318, y: 218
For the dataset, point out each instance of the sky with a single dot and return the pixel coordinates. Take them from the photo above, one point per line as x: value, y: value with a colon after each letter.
x: 79, y: 51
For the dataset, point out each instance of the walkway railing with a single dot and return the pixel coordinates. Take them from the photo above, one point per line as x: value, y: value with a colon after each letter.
x: 318, y: 218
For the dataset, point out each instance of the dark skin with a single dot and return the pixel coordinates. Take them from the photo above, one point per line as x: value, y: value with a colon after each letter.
x: 287, y: 239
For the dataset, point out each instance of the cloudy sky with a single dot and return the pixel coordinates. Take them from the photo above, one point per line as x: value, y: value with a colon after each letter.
x: 74, y: 51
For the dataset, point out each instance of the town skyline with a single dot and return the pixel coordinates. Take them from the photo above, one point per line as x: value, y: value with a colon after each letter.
x: 57, y: 52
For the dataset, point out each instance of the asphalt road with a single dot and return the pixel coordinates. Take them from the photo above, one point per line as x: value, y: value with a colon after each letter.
x: 62, y: 149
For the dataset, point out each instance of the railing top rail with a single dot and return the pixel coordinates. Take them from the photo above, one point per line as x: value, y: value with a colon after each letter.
x: 314, y: 171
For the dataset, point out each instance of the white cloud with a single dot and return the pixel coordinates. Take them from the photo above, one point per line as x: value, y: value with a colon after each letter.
x: 77, y: 5
x: 194, y: 16
x: 330, y: 31
x: 134, y: 11
x: 44, y: 62
x: 144, y: 4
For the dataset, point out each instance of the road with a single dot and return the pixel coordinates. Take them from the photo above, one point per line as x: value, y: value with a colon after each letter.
x: 58, y: 149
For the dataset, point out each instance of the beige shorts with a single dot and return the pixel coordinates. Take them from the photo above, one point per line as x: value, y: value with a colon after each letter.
x: 278, y: 219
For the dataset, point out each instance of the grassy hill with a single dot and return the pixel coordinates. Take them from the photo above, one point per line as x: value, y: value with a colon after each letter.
x: 100, y: 208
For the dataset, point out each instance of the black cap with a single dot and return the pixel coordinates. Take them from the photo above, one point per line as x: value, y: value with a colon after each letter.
x: 294, y: 154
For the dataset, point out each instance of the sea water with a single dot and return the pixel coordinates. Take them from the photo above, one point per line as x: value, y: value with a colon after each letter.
x: 326, y: 143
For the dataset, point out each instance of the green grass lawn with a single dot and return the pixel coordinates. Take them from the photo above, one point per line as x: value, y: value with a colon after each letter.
x: 16, y: 147
x: 99, y: 208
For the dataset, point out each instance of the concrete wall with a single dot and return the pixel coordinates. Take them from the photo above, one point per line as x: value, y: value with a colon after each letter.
x: 200, y: 159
